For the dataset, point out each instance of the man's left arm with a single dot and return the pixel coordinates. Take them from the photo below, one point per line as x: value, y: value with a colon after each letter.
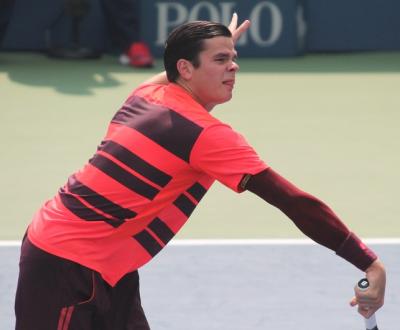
x: 316, y: 220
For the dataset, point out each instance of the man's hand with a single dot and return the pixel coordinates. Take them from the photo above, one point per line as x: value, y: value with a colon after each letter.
x: 370, y: 300
x: 237, y: 31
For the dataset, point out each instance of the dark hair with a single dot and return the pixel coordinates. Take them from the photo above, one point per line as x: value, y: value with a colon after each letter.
x: 186, y: 42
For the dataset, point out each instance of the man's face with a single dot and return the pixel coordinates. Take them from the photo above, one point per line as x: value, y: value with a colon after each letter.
x: 213, y: 81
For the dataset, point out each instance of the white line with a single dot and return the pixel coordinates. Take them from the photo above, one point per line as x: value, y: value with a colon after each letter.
x: 272, y: 241
x: 9, y: 243
x: 382, y: 241
x: 200, y: 242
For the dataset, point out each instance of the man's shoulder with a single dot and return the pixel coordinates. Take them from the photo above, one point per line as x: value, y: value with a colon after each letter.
x: 173, y: 98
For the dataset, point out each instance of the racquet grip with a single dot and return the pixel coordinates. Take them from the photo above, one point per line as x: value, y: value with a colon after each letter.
x: 370, y: 323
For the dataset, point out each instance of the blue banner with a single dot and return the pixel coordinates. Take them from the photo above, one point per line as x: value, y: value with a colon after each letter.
x: 277, y: 29
x: 353, y: 25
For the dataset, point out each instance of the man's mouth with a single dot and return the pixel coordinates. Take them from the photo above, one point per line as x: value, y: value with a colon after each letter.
x: 229, y: 82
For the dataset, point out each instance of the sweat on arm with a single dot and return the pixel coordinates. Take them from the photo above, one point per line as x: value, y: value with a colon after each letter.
x: 312, y: 216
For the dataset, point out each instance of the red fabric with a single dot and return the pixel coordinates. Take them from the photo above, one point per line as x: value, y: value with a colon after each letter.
x: 313, y: 217
x: 65, y: 318
x: 161, y: 154
x: 222, y: 153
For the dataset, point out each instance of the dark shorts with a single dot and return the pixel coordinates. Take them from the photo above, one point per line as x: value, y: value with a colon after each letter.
x: 55, y: 293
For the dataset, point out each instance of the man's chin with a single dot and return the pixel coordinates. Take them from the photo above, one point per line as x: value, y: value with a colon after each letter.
x: 229, y: 97
x: 222, y: 100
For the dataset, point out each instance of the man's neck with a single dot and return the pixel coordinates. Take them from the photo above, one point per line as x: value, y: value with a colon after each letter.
x: 186, y: 87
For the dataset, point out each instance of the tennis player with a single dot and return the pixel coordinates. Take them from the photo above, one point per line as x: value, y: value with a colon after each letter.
x: 162, y: 152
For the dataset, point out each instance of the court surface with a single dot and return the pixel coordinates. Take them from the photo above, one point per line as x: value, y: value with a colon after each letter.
x: 243, y: 287
x: 329, y: 123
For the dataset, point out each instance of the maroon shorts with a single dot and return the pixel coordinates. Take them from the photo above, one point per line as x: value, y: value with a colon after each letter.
x: 57, y: 294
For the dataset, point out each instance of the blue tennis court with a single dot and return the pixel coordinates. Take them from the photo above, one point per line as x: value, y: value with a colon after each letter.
x: 265, y: 285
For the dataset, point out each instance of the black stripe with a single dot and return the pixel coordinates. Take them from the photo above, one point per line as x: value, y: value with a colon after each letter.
x: 161, y: 229
x: 123, y: 177
x: 80, y: 210
x: 164, y: 126
x: 98, y: 201
x: 136, y: 163
x: 148, y: 242
x: 197, y: 191
x: 185, y: 205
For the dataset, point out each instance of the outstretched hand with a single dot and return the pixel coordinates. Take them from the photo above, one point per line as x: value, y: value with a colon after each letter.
x: 371, y: 300
x: 235, y: 30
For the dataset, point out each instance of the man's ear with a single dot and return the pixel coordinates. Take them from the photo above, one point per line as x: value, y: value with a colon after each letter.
x: 185, y: 69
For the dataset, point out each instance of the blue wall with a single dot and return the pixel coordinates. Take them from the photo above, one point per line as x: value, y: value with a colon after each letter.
x: 32, y: 20
x: 351, y: 25
x: 280, y: 27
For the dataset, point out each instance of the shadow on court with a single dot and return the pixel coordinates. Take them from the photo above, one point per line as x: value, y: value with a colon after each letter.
x: 80, y: 77
x: 282, y: 287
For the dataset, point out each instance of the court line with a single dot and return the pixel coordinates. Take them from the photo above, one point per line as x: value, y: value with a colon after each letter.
x: 272, y: 241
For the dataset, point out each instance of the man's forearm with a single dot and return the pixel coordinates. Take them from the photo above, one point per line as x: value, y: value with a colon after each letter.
x: 313, y: 217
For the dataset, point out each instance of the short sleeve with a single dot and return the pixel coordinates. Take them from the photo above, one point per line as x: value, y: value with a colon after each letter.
x: 225, y: 155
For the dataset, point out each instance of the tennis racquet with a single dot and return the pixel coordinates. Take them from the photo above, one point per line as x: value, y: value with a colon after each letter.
x: 370, y: 323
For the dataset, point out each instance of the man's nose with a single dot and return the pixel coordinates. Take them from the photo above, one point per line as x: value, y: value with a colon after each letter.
x: 234, y: 67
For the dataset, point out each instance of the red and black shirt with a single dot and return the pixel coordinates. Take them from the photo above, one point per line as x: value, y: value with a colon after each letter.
x: 161, y: 154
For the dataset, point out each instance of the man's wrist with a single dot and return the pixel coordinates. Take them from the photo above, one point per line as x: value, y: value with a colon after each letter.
x: 356, y: 252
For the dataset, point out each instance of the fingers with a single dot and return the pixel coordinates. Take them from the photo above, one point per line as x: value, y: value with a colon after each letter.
x: 371, y: 299
x: 235, y: 30
x: 240, y: 30
x: 366, y: 310
x: 233, y: 24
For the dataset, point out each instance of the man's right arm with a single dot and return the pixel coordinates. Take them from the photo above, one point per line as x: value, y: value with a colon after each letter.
x: 160, y: 79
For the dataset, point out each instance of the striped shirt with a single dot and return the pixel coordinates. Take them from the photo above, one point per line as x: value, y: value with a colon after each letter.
x: 161, y: 154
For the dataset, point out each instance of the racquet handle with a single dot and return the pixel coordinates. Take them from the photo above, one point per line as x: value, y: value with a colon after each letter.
x: 370, y: 323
